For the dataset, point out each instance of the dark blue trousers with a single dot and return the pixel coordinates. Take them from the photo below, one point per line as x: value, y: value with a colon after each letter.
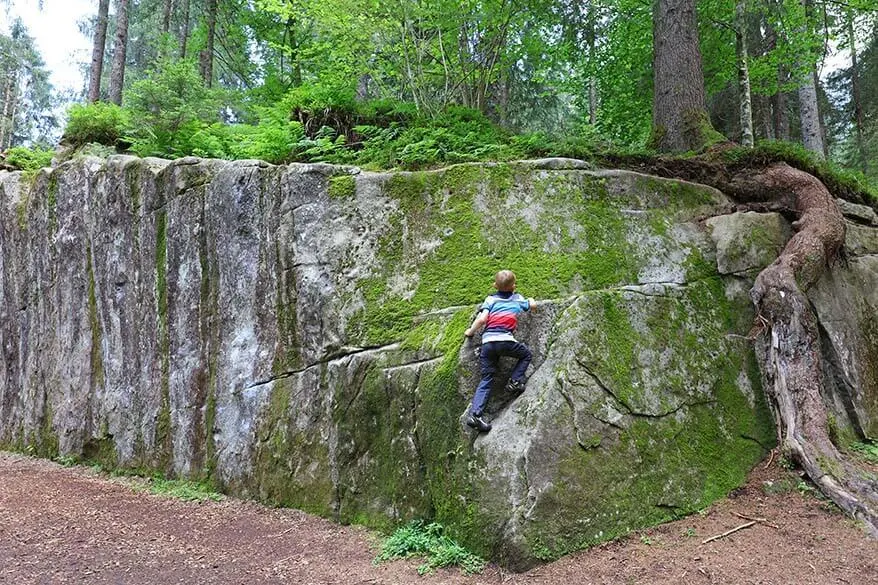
x: 488, y: 360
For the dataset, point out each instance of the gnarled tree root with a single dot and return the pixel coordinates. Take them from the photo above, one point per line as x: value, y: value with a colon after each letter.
x: 789, y: 350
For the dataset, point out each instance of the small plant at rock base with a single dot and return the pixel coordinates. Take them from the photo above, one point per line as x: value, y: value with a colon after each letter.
x: 645, y: 539
x: 187, y: 491
x: 689, y: 532
x: 418, y: 539
x: 867, y: 450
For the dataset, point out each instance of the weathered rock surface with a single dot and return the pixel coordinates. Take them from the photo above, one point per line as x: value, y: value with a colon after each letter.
x: 295, y: 334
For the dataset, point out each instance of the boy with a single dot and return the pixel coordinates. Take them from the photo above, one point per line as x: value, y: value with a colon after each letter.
x: 499, y: 315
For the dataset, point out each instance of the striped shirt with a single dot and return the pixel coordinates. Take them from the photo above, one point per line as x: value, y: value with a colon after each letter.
x: 503, y: 309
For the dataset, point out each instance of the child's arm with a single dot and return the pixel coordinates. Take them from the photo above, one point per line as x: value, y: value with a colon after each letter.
x: 477, y: 324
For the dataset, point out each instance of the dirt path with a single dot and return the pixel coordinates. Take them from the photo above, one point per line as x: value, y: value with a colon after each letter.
x: 68, y: 525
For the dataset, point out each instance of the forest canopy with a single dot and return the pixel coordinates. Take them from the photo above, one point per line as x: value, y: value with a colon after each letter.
x: 409, y: 84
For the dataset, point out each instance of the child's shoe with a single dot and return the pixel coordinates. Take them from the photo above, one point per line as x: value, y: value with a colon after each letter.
x: 478, y: 422
x: 515, y: 386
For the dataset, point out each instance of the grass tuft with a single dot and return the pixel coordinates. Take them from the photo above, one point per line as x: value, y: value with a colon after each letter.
x: 418, y: 539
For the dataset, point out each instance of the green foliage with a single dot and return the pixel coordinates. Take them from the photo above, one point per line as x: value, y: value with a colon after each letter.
x: 418, y: 539
x: 172, y: 113
x: 29, y: 159
x: 101, y: 122
x: 187, y: 491
x: 868, y: 450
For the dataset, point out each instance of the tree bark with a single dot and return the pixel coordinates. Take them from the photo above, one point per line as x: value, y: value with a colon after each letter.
x: 809, y: 116
x: 744, y: 104
x: 167, y: 10
x: 184, y: 30
x: 120, y: 47
x: 680, y: 121
x: 97, y: 53
x: 206, y: 57
x: 855, y: 94
x: 809, y: 113
x: 7, y: 121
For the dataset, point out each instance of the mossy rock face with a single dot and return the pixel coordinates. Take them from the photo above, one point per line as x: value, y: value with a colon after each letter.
x: 295, y: 334
x: 642, y: 410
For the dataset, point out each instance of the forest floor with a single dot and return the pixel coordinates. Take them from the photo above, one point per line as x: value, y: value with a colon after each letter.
x: 74, y: 525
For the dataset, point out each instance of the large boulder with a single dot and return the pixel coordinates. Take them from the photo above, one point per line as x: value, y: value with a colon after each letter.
x: 295, y: 334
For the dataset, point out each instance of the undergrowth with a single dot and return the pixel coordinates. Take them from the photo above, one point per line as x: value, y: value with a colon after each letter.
x: 868, y: 450
x: 419, y: 539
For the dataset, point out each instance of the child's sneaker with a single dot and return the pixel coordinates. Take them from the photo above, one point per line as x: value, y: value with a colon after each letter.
x: 515, y: 386
x: 478, y: 422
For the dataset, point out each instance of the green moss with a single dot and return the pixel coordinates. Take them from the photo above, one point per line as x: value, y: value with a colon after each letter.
x: 21, y: 211
x: 52, y: 202
x: 576, y: 241
x: 342, y: 187
x: 97, y: 363
x: 133, y: 177
x: 164, y: 437
x: 291, y: 465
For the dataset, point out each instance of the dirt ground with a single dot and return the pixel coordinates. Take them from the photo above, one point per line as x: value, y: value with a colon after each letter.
x: 71, y: 525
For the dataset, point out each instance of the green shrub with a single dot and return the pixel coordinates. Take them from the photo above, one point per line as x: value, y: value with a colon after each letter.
x: 172, y: 113
x: 100, y: 122
x: 428, y: 540
x: 29, y: 159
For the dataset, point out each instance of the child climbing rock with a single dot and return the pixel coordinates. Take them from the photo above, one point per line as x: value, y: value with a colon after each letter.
x: 499, y: 315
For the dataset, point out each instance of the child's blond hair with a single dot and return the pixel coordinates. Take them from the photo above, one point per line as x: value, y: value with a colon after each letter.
x: 504, y: 281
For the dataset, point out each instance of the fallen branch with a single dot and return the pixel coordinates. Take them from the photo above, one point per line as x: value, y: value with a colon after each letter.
x: 760, y: 520
x: 728, y: 532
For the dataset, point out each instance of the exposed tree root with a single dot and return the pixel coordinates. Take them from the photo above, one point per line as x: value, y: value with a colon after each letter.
x: 789, y: 349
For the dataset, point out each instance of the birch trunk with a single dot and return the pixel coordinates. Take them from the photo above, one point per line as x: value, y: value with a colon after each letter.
x: 120, y: 48
x: 744, y: 103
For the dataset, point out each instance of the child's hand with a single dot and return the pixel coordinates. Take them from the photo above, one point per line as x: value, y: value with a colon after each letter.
x: 532, y: 303
x: 468, y: 333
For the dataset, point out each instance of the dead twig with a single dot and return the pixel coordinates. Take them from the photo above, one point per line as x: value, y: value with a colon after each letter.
x: 760, y: 520
x: 727, y: 532
x: 287, y: 531
x: 770, y: 459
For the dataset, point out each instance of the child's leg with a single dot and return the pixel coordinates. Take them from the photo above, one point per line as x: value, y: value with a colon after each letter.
x: 524, y: 356
x: 488, y: 364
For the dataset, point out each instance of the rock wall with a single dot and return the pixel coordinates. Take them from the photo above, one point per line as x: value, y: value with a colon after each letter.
x: 294, y: 334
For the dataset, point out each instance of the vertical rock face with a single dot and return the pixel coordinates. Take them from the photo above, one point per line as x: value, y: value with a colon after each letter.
x: 294, y: 334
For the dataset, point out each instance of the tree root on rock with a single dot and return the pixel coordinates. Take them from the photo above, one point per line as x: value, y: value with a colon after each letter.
x: 788, y: 350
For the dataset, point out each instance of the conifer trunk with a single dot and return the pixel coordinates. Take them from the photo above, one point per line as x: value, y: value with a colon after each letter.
x: 97, y: 53
x: 206, y: 57
x: 680, y: 121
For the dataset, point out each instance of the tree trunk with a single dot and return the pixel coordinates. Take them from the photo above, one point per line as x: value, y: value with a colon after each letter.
x: 592, y: 81
x: 744, y: 103
x: 809, y: 113
x: 789, y: 350
x: 7, y: 121
x: 97, y: 52
x: 184, y: 30
x: 120, y: 47
x: 166, y: 16
x: 680, y: 121
x: 206, y: 57
x: 855, y: 95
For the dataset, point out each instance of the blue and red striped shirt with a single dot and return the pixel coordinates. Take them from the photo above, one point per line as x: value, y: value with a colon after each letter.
x: 503, y: 309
